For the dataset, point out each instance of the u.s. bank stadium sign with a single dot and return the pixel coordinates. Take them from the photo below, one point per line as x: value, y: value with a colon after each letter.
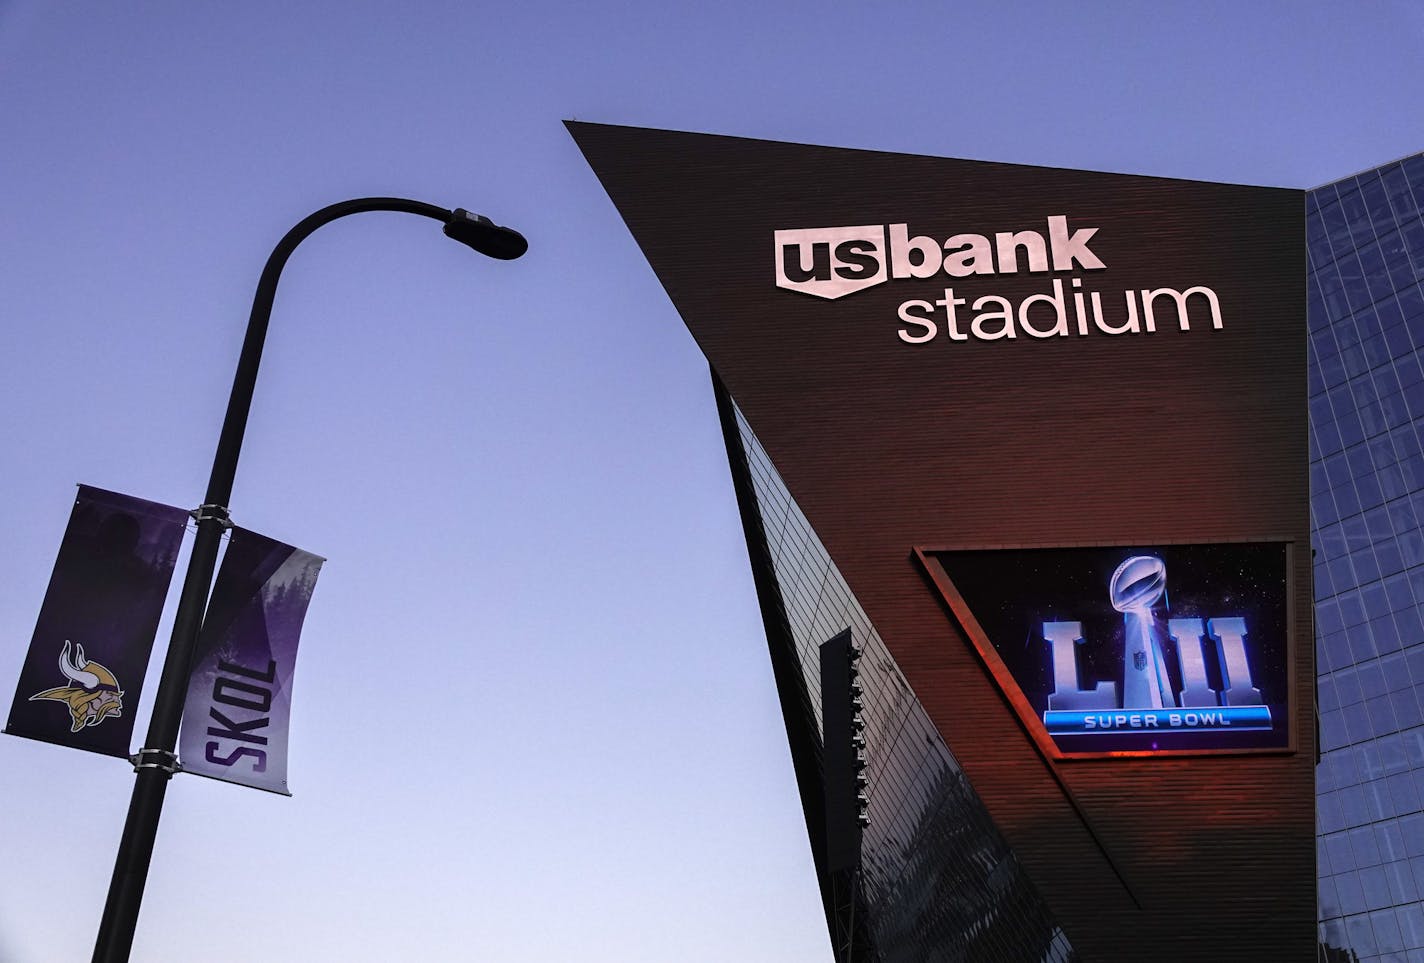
x: 1131, y: 649
x: 833, y: 262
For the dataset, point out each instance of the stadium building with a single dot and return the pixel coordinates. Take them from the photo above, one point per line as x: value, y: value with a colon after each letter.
x: 1021, y: 460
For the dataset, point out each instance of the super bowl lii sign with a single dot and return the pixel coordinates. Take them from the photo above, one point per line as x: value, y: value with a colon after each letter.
x: 1148, y: 699
x: 1128, y: 651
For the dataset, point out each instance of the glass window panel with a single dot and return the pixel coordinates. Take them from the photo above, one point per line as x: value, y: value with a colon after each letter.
x: 1362, y: 843
x: 1374, y: 882
x: 1327, y: 900
x: 1411, y: 925
x: 1376, y: 350
x: 1395, y: 673
x: 1357, y: 219
x: 1411, y: 631
x: 1396, y: 336
x: 1372, y: 419
x: 1390, y: 558
x: 1362, y: 391
x: 1413, y: 168
x: 1350, y: 893
x: 1347, y: 501
x: 1361, y: 935
x: 1411, y: 827
x: 1371, y: 763
x: 1342, y: 574
x: 1354, y: 360
x: 1320, y: 410
x: 1411, y: 303
x: 1356, y: 813
x: 1347, y: 686
x: 1376, y: 197
x: 1410, y: 369
x: 1402, y: 887
x: 1382, y: 721
x: 1323, y: 586
x: 1357, y: 535
x: 1386, y: 381
x: 1397, y: 407
x: 1414, y: 746
x: 1407, y: 710
x: 1332, y: 730
x: 1373, y: 598
x: 1327, y: 616
x: 1338, y: 470
x: 1405, y: 438
x: 1387, y: 934
x: 1319, y: 481
x: 1326, y: 696
x: 1337, y: 650
x: 1352, y: 430
x: 1352, y: 612
x: 1396, y: 188
x: 1377, y: 522
x: 1390, y: 841
x: 1332, y: 931
x: 1389, y: 313
x: 1383, y: 629
x: 1371, y: 679
x: 1332, y: 368
x: 1413, y: 234
x: 1379, y: 803
x: 1357, y: 723
x: 1392, y: 481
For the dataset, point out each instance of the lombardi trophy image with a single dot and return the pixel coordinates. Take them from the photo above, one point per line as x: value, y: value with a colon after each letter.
x: 1135, y: 587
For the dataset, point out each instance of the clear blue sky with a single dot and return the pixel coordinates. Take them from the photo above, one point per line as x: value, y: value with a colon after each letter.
x: 534, y: 718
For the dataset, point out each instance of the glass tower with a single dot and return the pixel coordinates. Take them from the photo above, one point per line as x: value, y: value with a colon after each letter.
x: 1366, y: 315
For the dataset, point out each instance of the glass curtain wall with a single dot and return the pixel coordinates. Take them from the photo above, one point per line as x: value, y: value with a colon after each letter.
x: 1366, y: 245
x: 938, y: 881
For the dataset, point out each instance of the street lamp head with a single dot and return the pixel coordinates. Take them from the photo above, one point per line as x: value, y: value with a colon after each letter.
x: 484, y: 235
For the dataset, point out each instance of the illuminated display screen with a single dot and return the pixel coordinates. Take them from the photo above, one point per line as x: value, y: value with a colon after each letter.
x: 1137, y: 649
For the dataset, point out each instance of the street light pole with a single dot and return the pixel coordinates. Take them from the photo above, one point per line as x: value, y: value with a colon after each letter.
x: 155, y: 764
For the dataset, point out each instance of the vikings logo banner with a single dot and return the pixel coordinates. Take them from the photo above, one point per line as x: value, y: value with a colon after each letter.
x: 240, y: 692
x: 84, y: 670
x: 1131, y: 650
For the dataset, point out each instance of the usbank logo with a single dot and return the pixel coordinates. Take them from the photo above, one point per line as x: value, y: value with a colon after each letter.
x: 832, y: 262
x: 1130, y: 650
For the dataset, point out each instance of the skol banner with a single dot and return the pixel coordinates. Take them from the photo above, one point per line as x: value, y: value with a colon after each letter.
x: 239, y: 701
x: 84, y: 670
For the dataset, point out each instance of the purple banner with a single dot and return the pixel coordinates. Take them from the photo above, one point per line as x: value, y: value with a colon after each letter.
x: 240, y: 692
x: 84, y: 672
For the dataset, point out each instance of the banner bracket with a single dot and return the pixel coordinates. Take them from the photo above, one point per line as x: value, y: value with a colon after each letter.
x: 218, y: 513
x: 156, y: 759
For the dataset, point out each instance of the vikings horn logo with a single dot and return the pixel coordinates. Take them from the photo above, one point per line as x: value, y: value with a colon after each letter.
x: 95, y: 694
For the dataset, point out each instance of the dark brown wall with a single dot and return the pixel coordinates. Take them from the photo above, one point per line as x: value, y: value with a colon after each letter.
x: 1175, y: 436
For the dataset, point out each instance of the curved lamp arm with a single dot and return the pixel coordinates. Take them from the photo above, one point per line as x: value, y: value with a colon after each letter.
x: 472, y: 230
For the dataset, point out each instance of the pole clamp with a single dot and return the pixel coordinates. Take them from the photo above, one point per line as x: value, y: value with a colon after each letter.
x: 206, y: 513
x: 156, y: 759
